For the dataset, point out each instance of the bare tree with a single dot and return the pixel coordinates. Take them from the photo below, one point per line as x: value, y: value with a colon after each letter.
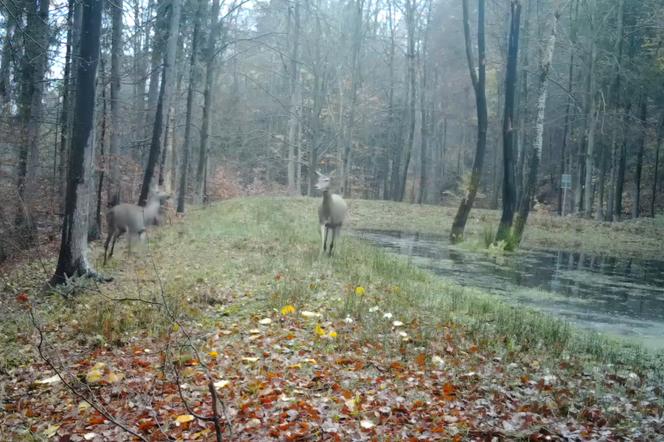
x: 479, y: 85
x: 528, y: 193
x: 116, y: 62
x: 72, y: 259
x: 509, y: 189
x: 165, y: 97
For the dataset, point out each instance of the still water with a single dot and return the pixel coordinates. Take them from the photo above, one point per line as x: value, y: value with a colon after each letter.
x: 612, y: 295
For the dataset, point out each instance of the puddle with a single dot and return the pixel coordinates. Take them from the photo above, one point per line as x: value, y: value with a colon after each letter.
x: 617, y: 296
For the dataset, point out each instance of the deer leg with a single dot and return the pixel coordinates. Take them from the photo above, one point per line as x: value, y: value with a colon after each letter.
x: 322, y: 237
x: 108, y: 240
x: 115, y: 238
x: 334, y: 235
x: 327, y: 232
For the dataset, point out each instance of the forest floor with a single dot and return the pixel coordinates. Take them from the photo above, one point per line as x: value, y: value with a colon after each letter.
x: 299, y: 346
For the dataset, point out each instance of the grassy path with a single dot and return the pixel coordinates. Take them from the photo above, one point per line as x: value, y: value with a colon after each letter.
x: 301, y: 347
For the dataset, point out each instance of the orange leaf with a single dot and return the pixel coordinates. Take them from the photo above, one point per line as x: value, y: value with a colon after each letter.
x: 420, y: 360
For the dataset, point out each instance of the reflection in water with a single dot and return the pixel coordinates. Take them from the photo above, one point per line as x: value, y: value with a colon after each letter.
x: 609, y: 294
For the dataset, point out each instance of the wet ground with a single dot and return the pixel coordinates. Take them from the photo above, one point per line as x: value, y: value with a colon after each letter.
x: 612, y: 295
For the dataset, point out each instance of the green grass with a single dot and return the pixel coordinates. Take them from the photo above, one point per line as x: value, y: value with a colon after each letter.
x: 244, y: 243
x: 243, y: 257
x: 635, y: 238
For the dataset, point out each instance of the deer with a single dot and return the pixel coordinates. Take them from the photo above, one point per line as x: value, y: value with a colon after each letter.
x: 132, y: 219
x: 331, y: 212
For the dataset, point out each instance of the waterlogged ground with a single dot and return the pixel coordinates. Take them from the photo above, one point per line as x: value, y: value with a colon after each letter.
x: 236, y: 299
x: 616, y: 296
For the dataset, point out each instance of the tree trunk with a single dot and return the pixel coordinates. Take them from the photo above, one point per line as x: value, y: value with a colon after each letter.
x: 479, y: 85
x: 33, y: 71
x: 165, y: 98
x: 622, y: 162
x: 113, y: 186
x: 410, y: 56
x: 72, y: 259
x: 193, y: 80
x: 424, y: 146
x: 354, y: 80
x: 528, y: 193
x: 155, y: 63
x: 210, y: 57
x: 94, y: 228
x: 521, y: 111
x: 589, y: 134
x: 7, y: 58
x: 660, y: 138
x: 294, y: 105
x: 636, y: 209
x: 509, y: 190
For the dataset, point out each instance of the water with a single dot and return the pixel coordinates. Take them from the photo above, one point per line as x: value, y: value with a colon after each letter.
x: 612, y: 295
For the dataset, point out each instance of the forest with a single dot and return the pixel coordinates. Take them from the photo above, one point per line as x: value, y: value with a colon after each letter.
x: 487, y: 262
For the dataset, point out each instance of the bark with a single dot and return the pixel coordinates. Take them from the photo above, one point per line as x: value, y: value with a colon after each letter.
x: 617, y: 101
x: 94, y: 231
x: 589, y: 134
x: 113, y: 186
x: 354, y: 80
x: 636, y: 209
x: 33, y: 71
x: 193, y: 80
x: 660, y: 139
x: 155, y: 64
x: 7, y: 58
x: 165, y: 99
x: 424, y: 146
x: 521, y: 111
x: 72, y: 259
x: 622, y: 162
x: 479, y: 85
x: 410, y: 56
x: 210, y: 57
x: 509, y: 190
x: 530, y: 188
x: 294, y: 105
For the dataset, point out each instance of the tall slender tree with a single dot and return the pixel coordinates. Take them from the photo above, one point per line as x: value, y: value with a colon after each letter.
x: 72, y: 259
x: 509, y: 189
x: 479, y: 85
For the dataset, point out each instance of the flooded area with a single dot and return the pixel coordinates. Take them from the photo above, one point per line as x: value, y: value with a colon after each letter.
x: 611, y: 295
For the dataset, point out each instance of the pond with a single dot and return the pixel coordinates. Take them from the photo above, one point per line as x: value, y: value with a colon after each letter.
x: 612, y: 295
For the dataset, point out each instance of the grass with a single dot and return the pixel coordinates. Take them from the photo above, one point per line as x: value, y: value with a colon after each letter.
x: 227, y: 266
x: 634, y: 238
x: 240, y: 245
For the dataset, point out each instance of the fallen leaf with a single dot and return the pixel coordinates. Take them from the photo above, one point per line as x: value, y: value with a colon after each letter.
x: 397, y: 323
x: 51, y: 430
x: 89, y: 436
x: 287, y: 309
x: 367, y: 424
x: 265, y: 321
x: 251, y: 360
x: 308, y: 314
x: 184, y: 418
x: 221, y: 384
x: 319, y: 330
x: 52, y: 380
x: 359, y: 291
x: 213, y: 354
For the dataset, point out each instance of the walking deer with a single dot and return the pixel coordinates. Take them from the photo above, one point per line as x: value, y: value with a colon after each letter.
x: 331, y: 212
x: 132, y: 219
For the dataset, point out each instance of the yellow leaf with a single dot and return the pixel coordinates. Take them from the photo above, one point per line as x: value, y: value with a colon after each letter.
x: 319, y: 330
x: 83, y: 406
x: 213, y: 354
x: 93, y: 376
x: 287, y: 309
x: 184, y: 418
x: 51, y: 430
x: 251, y: 360
x: 359, y: 291
x: 332, y: 334
x: 112, y: 378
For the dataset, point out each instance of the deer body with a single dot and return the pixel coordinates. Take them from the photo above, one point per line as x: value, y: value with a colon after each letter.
x: 131, y: 219
x: 331, y: 213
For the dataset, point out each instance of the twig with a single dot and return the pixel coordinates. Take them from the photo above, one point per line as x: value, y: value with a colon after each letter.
x: 73, y: 389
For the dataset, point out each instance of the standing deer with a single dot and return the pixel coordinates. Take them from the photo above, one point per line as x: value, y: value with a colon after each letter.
x: 331, y: 213
x: 132, y: 219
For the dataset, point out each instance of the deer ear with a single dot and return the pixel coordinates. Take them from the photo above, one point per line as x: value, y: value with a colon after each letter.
x: 318, y: 173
